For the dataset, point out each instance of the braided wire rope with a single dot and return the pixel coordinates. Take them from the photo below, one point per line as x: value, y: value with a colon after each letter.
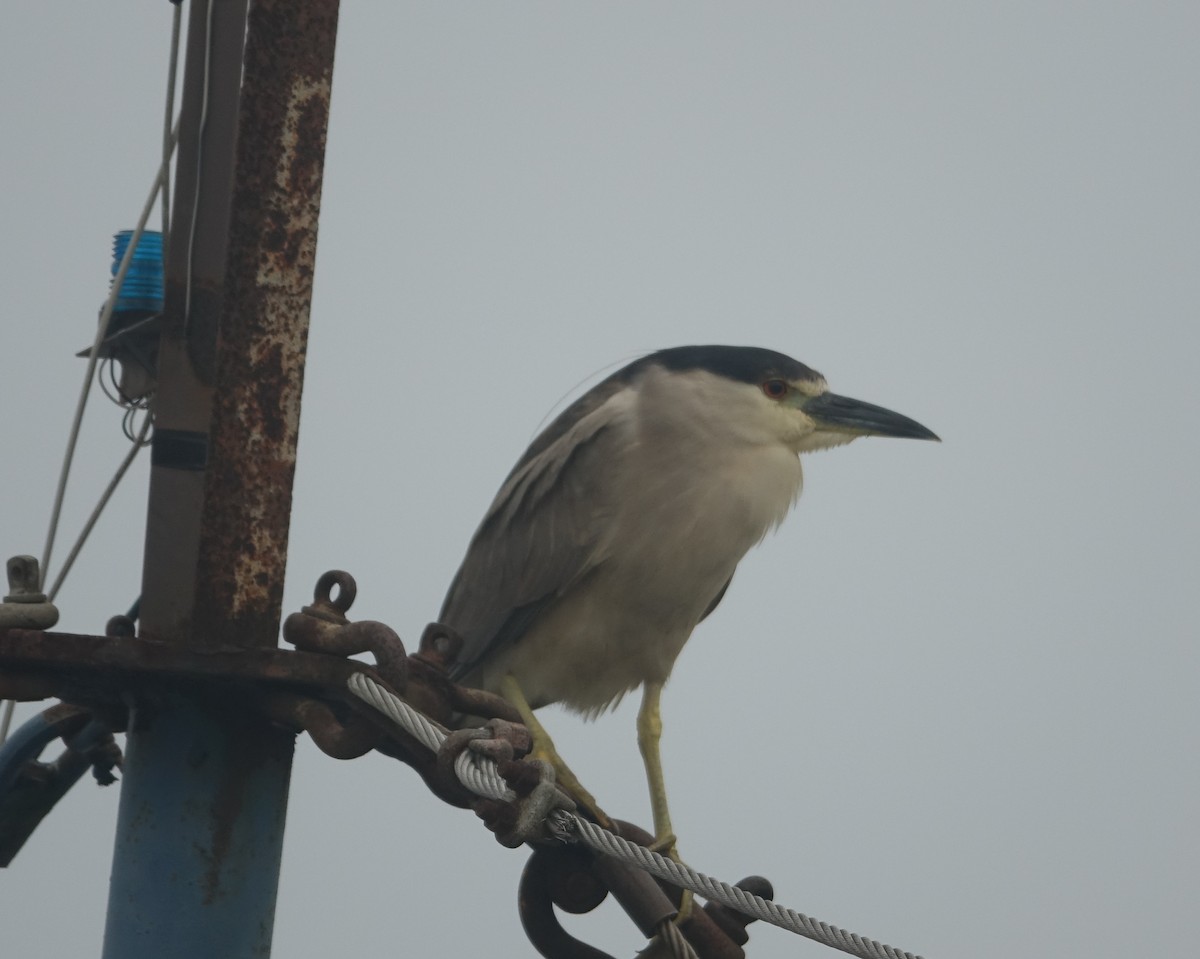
x: 675, y: 940
x: 601, y: 840
x: 479, y: 774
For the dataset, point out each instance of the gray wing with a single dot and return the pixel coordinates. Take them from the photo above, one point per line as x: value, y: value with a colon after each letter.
x: 545, y: 530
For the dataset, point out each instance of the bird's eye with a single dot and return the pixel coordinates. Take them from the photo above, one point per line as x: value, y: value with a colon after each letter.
x: 775, y: 389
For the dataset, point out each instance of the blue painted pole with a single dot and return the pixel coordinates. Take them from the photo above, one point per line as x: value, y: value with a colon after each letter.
x: 199, y: 833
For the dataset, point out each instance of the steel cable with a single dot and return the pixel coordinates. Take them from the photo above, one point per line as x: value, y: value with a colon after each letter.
x: 484, y: 780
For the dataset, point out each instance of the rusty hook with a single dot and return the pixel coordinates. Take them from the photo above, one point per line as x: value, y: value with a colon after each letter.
x: 558, y: 876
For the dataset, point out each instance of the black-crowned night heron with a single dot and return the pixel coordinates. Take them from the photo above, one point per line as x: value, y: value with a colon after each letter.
x: 621, y: 526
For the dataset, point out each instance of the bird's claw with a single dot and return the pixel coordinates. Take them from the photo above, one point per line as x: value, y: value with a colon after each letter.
x: 665, y: 845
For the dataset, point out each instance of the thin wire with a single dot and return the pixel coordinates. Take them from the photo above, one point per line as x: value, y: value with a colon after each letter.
x: 187, y: 288
x: 168, y: 115
x: 139, y: 441
x: 747, y: 903
x: 108, y: 375
x: 93, y: 358
x: 161, y: 189
x: 111, y: 386
x: 130, y: 418
x: 593, y: 378
x: 6, y: 720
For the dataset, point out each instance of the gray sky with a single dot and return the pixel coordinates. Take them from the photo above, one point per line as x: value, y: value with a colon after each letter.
x: 951, y: 704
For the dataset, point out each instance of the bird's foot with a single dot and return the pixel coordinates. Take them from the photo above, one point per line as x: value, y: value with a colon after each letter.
x: 665, y: 845
x: 685, y: 907
x: 544, y: 750
x: 571, y: 785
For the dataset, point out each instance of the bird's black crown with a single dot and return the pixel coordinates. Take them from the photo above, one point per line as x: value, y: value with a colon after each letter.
x: 746, y: 364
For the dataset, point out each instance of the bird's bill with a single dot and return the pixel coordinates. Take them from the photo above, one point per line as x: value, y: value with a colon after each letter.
x: 841, y: 414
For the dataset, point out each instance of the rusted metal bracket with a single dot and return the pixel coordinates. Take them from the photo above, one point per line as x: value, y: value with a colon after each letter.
x: 422, y: 678
x: 298, y: 690
x: 302, y: 691
x: 306, y: 690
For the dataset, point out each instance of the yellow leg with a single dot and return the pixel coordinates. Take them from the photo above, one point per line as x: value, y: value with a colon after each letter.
x: 543, y: 748
x: 649, y: 727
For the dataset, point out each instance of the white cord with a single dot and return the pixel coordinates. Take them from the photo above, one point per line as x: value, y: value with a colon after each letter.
x: 93, y: 358
x: 138, y: 442
x: 161, y: 186
x: 164, y: 198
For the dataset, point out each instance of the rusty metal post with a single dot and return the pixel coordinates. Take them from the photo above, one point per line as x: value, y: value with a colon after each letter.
x: 204, y: 796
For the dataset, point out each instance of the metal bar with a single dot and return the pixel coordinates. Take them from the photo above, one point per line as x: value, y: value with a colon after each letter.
x: 105, y: 670
x: 264, y: 321
x: 204, y: 796
x: 198, y: 249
